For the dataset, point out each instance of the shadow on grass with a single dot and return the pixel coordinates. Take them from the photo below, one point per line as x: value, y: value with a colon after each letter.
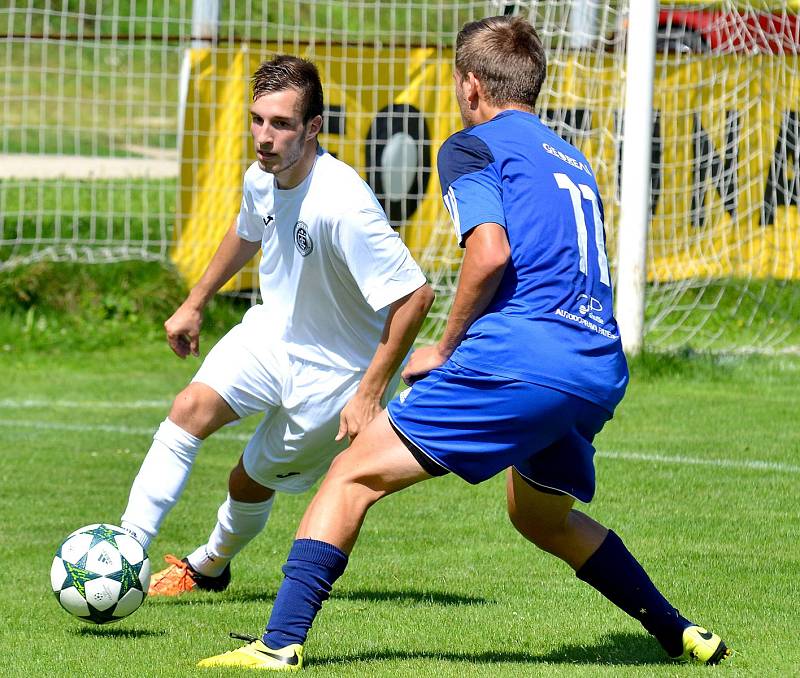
x: 407, y: 596
x: 618, y: 649
x: 358, y: 595
x: 106, y: 632
x: 209, y: 598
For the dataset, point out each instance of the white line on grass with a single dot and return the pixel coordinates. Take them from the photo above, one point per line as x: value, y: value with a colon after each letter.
x: 105, y: 428
x: 749, y: 464
x: 738, y: 464
x: 31, y: 403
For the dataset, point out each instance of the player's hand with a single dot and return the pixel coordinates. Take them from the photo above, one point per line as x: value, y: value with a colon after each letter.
x: 359, y: 411
x: 422, y: 361
x: 183, y: 330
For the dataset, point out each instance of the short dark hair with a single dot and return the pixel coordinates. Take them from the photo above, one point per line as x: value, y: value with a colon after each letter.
x: 506, y: 55
x: 283, y: 72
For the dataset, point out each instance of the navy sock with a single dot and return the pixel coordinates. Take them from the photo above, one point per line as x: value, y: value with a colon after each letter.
x: 311, y: 569
x: 614, y: 572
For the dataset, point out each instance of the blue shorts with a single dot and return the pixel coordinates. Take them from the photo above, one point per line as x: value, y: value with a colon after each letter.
x: 476, y: 425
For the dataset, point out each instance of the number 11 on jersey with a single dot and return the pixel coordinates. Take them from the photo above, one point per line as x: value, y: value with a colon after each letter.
x: 576, y: 193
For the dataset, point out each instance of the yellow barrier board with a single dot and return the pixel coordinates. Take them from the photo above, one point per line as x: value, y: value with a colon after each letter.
x: 726, y: 152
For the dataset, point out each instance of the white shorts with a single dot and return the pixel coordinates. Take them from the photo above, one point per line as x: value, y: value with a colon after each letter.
x: 295, y: 442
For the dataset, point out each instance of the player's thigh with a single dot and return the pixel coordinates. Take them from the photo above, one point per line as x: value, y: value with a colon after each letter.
x: 375, y: 465
x: 566, y: 464
x: 246, y: 369
x: 378, y: 460
x: 531, y: 509
x: 295, y: 443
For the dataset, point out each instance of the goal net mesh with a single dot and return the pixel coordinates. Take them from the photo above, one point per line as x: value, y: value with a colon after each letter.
x: 124, y: 136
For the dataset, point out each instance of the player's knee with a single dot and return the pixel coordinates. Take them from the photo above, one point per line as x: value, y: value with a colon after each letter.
x: 351, y: 480
x: 342, y: 472
x: 238, y: 476
x: 545, y: 534
x: 242, y: 487
x: 200, y: 411
x: 187, y: 406
x: 522, y: 523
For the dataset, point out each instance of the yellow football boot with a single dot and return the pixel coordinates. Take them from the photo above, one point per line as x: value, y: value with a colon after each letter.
x: 703, y: 646
x: 256, y: 655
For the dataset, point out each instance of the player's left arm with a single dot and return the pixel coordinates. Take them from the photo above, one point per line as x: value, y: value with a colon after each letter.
x: 402, y: 325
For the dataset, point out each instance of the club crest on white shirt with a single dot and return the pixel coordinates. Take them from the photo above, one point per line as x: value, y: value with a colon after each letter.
x: 302, y: 240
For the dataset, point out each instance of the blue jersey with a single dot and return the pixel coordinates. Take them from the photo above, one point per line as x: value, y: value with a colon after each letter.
x: 551, y: 320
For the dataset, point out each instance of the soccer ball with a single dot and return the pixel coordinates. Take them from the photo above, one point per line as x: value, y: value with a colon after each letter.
x: 100, y: 573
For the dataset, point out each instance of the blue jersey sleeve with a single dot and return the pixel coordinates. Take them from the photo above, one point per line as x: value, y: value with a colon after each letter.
x: 471, y: 187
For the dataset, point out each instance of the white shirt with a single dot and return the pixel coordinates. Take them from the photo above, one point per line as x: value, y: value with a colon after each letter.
x: 331, y: 264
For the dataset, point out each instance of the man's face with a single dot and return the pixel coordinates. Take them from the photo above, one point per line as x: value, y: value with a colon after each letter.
x: 278, y: 130
x: 462, y: 87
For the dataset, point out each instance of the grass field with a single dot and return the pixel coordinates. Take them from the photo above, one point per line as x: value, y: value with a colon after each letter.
x: 247, y: 20
x: 698, y: 472
x: 87, y: 216
x: 101, y: 79
x: 95, y: 99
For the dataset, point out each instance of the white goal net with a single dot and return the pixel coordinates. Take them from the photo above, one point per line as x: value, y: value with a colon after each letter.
x: 124, y: 135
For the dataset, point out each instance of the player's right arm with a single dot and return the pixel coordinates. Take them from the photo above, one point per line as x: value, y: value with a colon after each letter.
x: 472, y: 193
x: 183, y: 327
x: 487, y: 254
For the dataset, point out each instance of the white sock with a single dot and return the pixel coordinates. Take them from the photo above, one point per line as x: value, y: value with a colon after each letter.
x: 160, y: 480
x: 238, y: 522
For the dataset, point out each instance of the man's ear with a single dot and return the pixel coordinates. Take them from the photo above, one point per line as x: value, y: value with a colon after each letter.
x: 473, y: 89
x: 313, y: 127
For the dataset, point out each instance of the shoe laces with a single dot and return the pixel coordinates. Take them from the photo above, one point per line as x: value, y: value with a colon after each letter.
x: 244, y: 637
x: 177, y: 562
x: 180, y: 578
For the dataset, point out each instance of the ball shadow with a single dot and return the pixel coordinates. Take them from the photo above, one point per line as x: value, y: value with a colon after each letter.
x: 112, y: 632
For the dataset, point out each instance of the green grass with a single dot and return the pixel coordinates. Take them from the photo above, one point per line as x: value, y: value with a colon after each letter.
x: 98, y: 99
x: 245, y: 21
x: 92, y: 214
x: 48, y: 307
x: 103, y: 97
x: 440, y: 584
x: 723, y: 315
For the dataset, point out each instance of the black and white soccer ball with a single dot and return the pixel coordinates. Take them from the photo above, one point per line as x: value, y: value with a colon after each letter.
x: 100, y: 573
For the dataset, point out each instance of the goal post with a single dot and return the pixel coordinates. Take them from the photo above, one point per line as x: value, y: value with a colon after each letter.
x: 634, y: 216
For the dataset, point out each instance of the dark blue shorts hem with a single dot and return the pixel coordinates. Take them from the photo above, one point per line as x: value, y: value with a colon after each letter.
x: 427, y: 461
x: 476, y: 425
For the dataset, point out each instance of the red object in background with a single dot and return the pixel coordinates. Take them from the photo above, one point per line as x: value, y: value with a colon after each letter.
x: 752, y: 32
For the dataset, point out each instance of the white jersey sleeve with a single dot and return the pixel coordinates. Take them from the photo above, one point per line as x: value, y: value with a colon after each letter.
x: 376, y: 257
x: 249, y: 224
